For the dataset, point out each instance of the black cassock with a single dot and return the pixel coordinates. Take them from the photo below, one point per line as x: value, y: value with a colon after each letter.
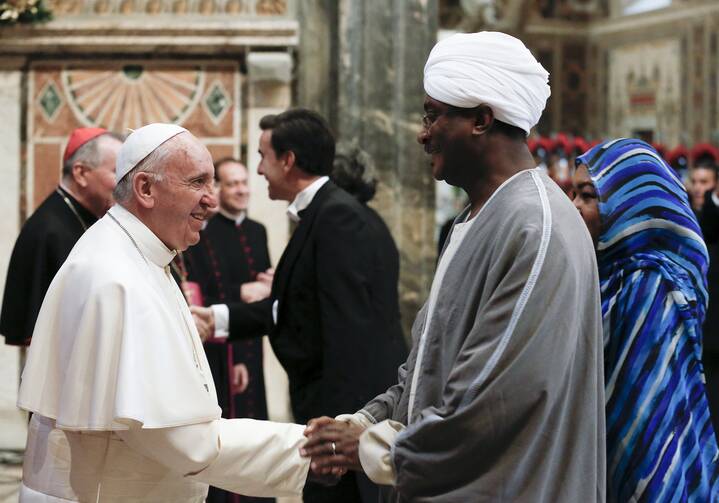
x: 227, y: 256
x: 41, y: 248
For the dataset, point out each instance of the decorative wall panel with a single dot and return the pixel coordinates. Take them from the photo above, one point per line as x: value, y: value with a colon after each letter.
x: 644, y: 95
x: 202, y: 97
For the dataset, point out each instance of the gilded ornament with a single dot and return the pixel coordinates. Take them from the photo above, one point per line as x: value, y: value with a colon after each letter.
x: 271, y: 7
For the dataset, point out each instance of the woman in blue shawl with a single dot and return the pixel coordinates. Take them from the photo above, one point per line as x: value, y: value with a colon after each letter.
x: 652, y: 269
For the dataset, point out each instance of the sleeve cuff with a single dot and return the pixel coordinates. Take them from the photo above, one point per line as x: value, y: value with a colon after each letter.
x: 358, y: 419
x: 222, y: 320
x: 375, y: 451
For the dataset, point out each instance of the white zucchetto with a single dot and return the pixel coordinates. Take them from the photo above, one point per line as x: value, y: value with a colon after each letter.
x: 141, y: 143
x: 468, y: 69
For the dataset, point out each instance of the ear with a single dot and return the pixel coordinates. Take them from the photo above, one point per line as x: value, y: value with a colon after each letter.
x: 483, y: 120
x: 78, y: 173
x: 289, y: 160
x: 142, y: 188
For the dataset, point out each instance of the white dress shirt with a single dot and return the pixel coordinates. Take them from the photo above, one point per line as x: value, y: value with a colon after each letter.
x: 302, y: 200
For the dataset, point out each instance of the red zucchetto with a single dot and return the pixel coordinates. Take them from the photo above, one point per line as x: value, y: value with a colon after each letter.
x: 79, y: 137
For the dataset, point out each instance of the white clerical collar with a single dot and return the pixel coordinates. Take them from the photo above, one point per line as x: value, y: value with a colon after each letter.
x: 715, y: 199
x: 149, y: 244
x: 238, y: 219
x: 304, y: 198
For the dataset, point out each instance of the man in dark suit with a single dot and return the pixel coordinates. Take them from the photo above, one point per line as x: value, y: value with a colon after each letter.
x: 333, y: 315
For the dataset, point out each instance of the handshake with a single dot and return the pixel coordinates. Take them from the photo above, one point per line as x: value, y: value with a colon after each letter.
x: 333, y: 447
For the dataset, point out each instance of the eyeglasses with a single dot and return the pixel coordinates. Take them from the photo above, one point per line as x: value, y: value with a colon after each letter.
x: 429, y: 119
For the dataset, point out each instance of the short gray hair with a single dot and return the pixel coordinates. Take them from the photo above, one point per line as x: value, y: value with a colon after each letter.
x: 153, y: 164
x: 88, y: 154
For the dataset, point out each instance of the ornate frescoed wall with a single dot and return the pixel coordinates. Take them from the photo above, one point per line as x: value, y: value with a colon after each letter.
x: 122, y: 95
x: 645, y: 91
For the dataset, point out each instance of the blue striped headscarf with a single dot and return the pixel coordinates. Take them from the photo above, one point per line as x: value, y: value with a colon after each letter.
x: 652, y: 270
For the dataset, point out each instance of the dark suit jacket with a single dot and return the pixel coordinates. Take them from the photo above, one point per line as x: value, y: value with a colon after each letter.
x: 338, y: 332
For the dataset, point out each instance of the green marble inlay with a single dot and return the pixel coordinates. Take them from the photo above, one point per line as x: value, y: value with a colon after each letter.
x: 216, y: 101
x: 132, y: 72
x: 50, y: 100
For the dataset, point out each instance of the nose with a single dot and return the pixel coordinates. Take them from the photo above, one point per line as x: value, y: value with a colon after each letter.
x: 423, y: 136
x: 577, y: 204
x: 209, y: 200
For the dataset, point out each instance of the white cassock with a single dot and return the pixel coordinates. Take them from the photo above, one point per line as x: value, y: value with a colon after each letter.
x: 123, y: 400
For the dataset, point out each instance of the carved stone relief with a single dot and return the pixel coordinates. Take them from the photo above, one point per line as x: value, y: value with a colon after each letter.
x: 262, y: 8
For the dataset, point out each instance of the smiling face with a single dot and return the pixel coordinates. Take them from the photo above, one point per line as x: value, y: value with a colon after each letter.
x: 273, y: 168
x: 446, y: 133
x: 586, y: 201
x: 234, y: 188
x: 184, y: 196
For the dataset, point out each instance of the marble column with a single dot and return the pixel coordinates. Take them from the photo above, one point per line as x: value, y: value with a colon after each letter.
x: 13, y: 421
x: 370, y: 73
x: 269, y: 92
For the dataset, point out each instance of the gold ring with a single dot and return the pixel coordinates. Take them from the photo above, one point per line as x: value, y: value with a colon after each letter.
x: 334, y: 449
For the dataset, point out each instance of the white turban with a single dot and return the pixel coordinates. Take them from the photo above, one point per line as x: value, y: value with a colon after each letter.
x: 468, y: 69
x: 141, y: 143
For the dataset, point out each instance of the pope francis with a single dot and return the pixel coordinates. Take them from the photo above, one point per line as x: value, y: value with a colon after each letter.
x: 124, y: 407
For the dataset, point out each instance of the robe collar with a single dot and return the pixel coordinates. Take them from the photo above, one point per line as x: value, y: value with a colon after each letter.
x: 236, y: 219
x: 150, y: 245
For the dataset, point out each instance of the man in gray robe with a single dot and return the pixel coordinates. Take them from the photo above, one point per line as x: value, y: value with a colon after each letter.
x: 501, y: 398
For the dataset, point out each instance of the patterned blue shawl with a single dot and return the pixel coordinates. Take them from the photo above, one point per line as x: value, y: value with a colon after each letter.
x: 652, y: 270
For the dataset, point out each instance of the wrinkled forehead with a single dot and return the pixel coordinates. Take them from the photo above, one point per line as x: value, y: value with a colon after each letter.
x: 188, y: 156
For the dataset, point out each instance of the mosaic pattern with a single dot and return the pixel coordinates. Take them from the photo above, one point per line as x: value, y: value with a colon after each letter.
x: 132, y: 96
x: 217, y: 101
x: 199, y: 96
x: 50, y: 100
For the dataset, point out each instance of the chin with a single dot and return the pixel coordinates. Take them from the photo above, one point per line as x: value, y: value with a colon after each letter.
x: 193, y: 239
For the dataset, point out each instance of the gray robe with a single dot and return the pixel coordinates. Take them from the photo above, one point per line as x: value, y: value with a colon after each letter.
x: 509, y: 404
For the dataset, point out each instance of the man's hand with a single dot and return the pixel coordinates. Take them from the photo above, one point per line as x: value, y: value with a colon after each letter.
x: 324, y: 479
x: 254, y: 291
x: 204, y: 321
x: 266, y: 277
x: 240, y: 378
x: 332, y: 445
